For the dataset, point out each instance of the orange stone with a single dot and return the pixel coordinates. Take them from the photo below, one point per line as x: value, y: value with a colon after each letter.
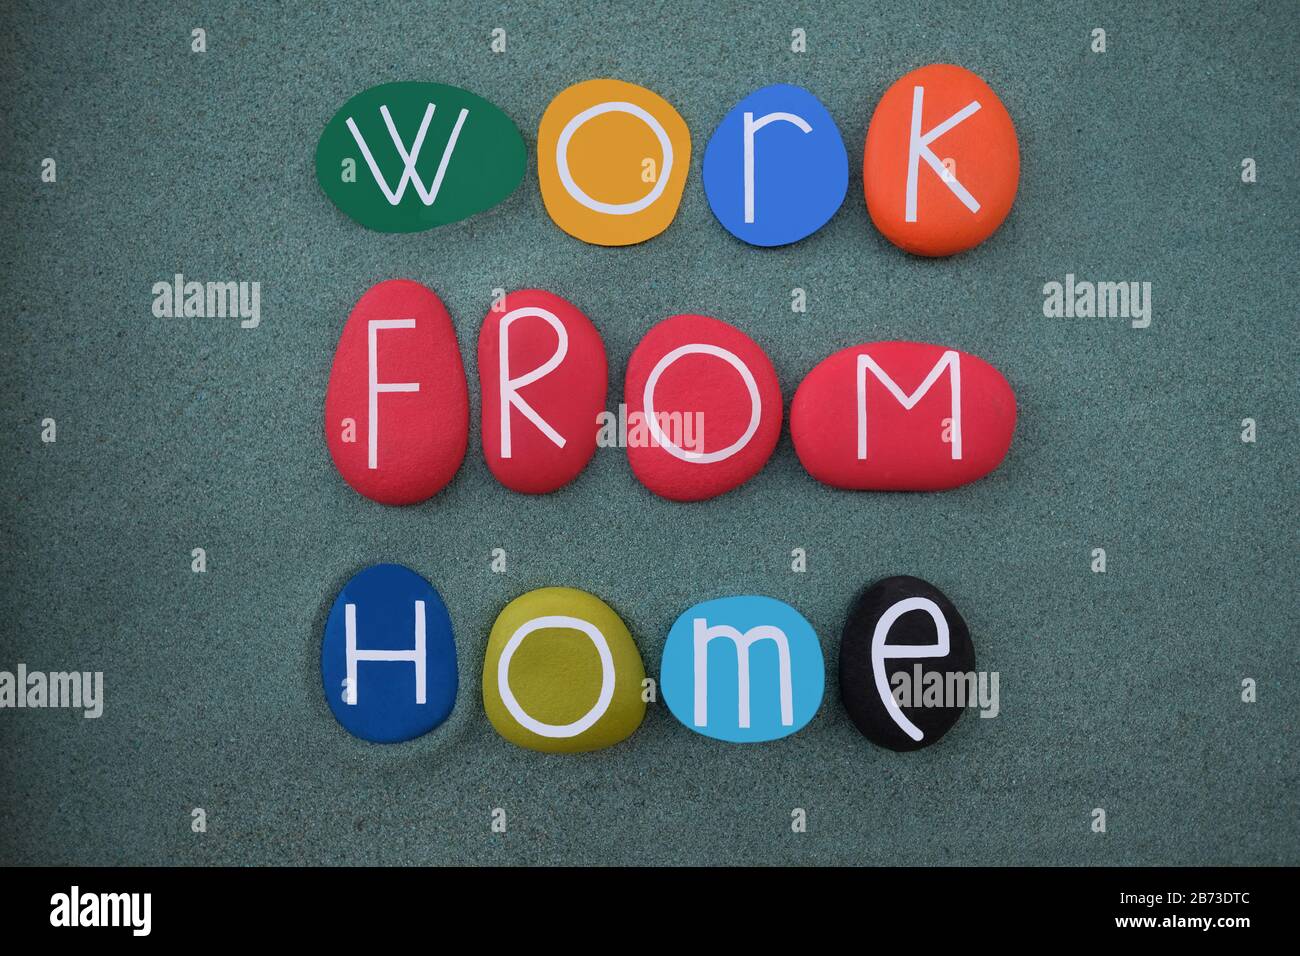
x: 612, y: 159
x: 941, y: 163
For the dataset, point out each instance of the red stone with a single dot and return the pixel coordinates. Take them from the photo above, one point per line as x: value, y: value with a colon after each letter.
x: 421, y: 433
x: 567, y: 398
x: 891, y: 448
x: 710, y: 385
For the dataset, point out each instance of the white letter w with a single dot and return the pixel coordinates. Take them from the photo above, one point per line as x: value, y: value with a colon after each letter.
x: 409, y: 159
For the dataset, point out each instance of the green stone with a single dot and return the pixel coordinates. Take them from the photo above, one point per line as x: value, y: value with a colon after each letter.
x: 573, y: 675
x: 470, y: 157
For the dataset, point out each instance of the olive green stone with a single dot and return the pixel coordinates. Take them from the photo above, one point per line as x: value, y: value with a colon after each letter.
x: 562, y: 674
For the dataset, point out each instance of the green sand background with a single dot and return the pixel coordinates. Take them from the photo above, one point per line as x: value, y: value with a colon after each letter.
x: 1118, y: 691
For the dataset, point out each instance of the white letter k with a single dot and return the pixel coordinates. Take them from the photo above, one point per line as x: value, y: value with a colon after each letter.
x: 919, y: 148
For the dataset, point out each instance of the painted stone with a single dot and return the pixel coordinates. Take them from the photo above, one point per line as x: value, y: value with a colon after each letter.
x: 542, y: 368
x: 388, y: 659
x: 904, y: 641
x: 743, y: 669
x: 612, y: 159
x: 775, y: 169
x: 941, y: 163
x: 902, y: 416
x: 404, y: 157
x: 704, y: 408
x: 397, y: 406
x: 562, y: 674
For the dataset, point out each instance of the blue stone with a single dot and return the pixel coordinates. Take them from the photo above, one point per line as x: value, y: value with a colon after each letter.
x: 390, y: 690
x: 716, y: 646
x: 798, y: 170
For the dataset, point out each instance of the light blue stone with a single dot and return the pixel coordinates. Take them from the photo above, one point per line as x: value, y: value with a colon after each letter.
x: 716, y: 646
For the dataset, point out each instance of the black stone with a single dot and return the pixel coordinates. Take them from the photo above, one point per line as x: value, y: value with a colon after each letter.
x: 858, y: 687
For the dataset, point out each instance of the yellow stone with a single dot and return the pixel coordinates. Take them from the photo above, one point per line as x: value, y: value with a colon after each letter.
x: 562, y: 674
x: 612, y: 159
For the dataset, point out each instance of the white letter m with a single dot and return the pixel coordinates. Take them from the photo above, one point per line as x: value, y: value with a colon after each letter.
x: 743, y: 642
x: 950, y: 360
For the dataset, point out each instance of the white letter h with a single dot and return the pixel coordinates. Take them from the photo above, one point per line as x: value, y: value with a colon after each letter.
x: 416, y: 656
